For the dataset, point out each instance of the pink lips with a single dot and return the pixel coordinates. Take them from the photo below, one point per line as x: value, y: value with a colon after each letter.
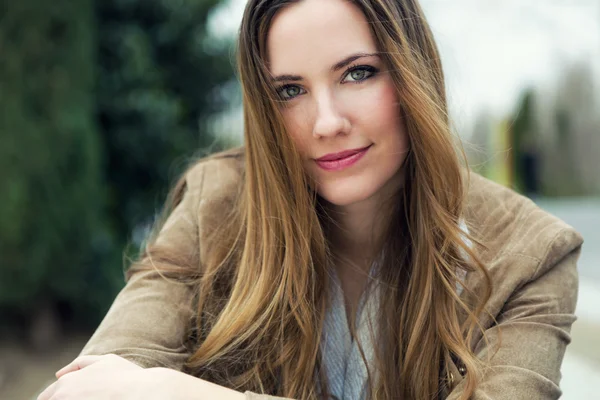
x: 341, y: 160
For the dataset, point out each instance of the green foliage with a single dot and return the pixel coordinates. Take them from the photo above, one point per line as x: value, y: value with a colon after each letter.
x: 49, y: 159
x: 523, y: 132
x: 157, y: 85
x: 98, y: 99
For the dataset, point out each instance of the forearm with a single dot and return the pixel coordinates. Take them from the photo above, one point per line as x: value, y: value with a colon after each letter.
x: 191, y: 388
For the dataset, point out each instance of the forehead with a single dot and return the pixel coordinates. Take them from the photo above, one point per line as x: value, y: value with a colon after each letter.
x: 316, y: 34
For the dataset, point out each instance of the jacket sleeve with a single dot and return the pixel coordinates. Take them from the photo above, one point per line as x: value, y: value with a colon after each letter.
x: 149, y: 319
x: 532, y: 330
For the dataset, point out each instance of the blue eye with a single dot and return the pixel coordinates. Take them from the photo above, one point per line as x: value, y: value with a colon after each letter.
x: 288, y: 92
x: 359, y: 74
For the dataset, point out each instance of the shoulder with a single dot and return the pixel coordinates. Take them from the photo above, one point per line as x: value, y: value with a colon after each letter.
x: 521, y: 239
x: 216, y: 173
x: 213, y: 186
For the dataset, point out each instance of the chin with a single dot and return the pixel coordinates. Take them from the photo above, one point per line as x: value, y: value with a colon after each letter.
x: 345, y: 195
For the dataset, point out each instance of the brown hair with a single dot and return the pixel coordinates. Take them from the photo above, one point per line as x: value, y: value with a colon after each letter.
x: 262, y: 289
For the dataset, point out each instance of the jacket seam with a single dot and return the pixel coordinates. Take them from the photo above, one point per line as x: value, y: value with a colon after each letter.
x: 510, y: 253
x: 546, y: 253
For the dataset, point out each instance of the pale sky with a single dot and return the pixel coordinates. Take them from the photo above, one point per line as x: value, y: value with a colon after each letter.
x: 493, y: 49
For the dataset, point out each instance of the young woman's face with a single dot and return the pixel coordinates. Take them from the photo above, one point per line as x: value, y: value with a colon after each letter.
x: 338, y: 100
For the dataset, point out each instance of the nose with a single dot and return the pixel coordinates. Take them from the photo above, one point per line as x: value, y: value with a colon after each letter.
x: 329, y: 120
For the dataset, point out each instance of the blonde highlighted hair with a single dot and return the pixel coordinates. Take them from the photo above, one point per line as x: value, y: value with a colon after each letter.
x: 262, y: 289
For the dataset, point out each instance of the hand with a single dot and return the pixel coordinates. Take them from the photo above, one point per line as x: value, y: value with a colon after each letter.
x: 107, y: 377
x: 113, y: 377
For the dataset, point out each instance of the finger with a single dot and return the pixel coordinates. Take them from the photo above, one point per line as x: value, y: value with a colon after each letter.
x: 77, y: 364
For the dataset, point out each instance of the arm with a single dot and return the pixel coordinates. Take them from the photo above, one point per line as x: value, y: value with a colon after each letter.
x: 532, y: 330
x: 145, y: 324
x: 148, y: 322
x: 149, y: 319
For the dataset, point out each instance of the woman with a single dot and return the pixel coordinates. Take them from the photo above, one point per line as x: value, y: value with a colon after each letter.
x: 344, y: 252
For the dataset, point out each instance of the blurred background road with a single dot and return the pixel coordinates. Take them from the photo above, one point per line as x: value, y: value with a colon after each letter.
x: 581, y: 367
x: 103, y: 102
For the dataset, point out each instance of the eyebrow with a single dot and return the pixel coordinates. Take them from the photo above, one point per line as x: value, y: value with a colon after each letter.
x: 346, y: 61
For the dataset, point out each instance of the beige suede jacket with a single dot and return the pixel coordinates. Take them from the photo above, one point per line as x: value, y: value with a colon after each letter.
x: 532, y: 260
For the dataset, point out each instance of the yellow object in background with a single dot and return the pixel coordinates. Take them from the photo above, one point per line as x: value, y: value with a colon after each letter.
x: 501, y: 166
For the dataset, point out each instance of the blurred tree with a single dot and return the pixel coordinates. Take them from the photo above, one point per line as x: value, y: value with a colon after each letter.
x: 578, y: 129
x: 52, y: 238
x: 160, y: 78
x: 572, y: 139
x: 525, y: 156
x: 99, y: 97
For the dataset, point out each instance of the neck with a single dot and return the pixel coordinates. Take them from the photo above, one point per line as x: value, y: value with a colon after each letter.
x: 357, y: 230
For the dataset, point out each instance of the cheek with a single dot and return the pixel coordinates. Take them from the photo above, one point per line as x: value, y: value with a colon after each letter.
x: 380, y: 115
x: 295, y: 120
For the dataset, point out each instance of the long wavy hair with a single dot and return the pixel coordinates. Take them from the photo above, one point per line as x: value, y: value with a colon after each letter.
x: 262, y: 289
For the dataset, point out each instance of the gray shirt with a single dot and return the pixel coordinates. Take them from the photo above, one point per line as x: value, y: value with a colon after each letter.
x: 345, y: 368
